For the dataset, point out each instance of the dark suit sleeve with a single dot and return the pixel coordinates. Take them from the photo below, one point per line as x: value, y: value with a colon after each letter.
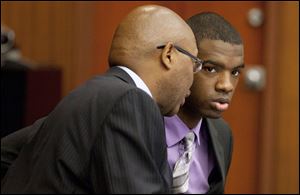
x: 133, y: 148
x: 12, y: 144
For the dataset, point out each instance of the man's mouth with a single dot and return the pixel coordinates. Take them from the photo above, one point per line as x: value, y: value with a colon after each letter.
x: 220, y: 104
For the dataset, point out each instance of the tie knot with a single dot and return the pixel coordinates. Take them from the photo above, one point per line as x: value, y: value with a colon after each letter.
x: 189, y: 139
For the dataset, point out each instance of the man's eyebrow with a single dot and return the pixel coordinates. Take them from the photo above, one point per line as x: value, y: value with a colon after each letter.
x: 221, y: 65
x: 239, y: 66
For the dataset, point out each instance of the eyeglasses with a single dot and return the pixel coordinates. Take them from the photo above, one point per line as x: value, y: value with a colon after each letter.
x: 197, y: 62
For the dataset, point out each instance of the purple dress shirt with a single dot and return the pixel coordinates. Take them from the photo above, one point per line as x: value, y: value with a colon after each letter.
x: 202, y: 159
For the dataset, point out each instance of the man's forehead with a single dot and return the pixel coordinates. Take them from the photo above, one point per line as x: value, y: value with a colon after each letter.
x: 208, y: 46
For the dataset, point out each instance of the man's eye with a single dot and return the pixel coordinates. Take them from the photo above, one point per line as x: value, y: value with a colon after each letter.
x: 236, y: 73
x: 209, y: 69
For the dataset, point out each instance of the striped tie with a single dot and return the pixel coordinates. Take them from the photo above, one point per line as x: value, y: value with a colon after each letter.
x: 181, y: 169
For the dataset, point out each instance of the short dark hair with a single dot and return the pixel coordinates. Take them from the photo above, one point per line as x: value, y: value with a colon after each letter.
x: 210, y: 25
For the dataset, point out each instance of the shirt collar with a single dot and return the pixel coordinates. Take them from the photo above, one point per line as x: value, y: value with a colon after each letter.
x: 137, y: 80
x: 176, y: 130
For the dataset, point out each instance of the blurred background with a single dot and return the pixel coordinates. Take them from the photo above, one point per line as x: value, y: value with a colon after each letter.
x: 50, y: 48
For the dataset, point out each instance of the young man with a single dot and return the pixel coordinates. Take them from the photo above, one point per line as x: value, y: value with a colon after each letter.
x: 108, y: 135
x: 220, y: 47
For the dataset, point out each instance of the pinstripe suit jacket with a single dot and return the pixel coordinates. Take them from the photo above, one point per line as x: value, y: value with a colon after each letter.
x: 107, y: 136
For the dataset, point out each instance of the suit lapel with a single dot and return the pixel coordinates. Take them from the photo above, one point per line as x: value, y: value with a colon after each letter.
x: 217, y: 147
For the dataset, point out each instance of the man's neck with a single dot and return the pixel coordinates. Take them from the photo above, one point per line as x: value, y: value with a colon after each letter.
x: 190, y: 118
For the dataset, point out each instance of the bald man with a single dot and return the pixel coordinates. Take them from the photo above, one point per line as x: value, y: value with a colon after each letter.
x: 108, y: 135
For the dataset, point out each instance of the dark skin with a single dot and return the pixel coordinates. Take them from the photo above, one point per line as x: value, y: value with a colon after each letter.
x: 167, y: 72
x: 214, y: 85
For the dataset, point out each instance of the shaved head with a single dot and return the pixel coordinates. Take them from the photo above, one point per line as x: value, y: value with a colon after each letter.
x: 144, y: 28
x: 167, y: 73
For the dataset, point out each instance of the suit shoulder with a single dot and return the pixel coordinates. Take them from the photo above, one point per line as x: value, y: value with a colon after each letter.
x: 103, y: 90
x: 106, y: 85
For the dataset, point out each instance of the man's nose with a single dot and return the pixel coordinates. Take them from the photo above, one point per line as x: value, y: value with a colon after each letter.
x: 224, y: 83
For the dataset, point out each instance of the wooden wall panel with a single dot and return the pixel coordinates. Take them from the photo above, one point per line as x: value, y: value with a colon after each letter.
x: 266, y: 138
x: 279, y: 139
x: 287, y: 100
x: 53, y: 34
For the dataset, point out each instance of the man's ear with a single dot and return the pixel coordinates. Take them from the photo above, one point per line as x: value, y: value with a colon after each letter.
x: 167, y: 56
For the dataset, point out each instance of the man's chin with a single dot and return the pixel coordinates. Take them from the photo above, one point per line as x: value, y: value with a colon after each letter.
x: 172, y: 111
x: 212, y: 115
